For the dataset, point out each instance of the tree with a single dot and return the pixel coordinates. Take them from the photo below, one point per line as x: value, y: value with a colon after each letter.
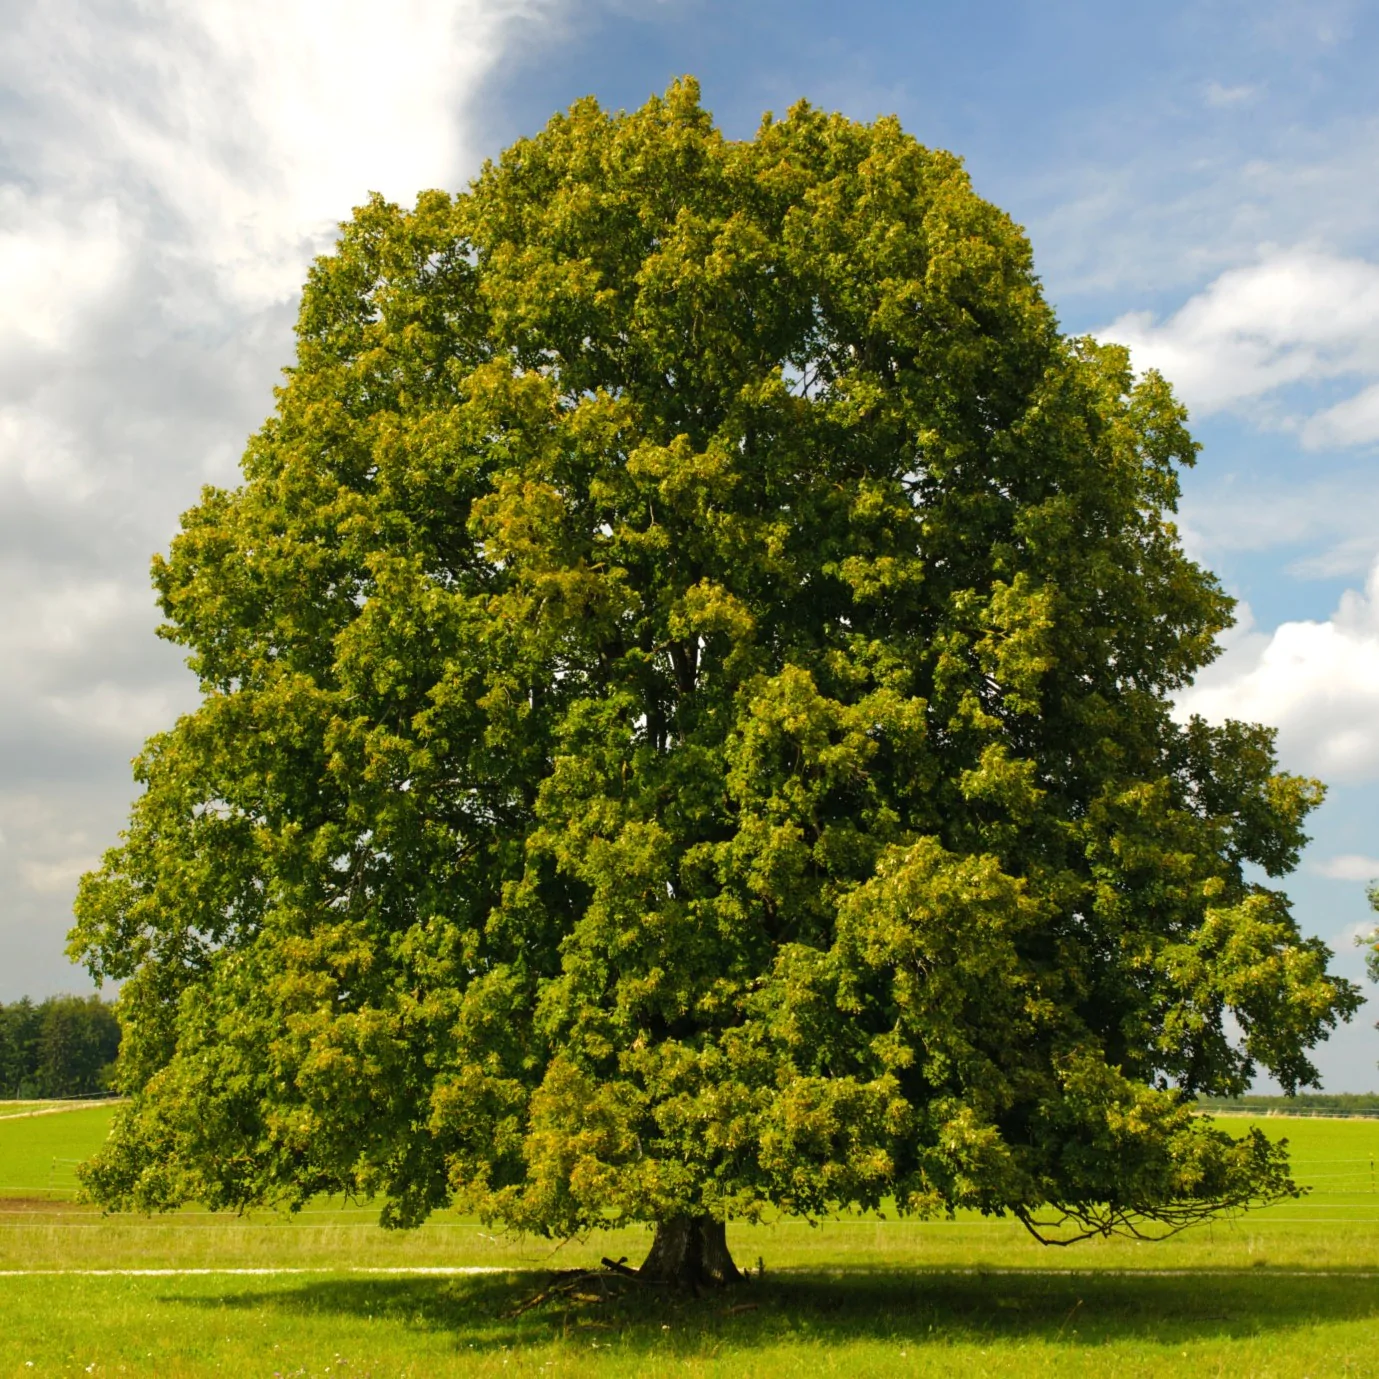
x: 63, y: 1046
x: 20, y: 1025
x: 1372, y: 957
x: 78, y: 1040
x: 686, y: 730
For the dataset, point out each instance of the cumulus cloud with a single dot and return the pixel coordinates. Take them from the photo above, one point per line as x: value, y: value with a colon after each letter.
x: 1352, y: 422
x: 1317, y: 682
x: 1294, y: 317
x: 1348, y: 866
x: 241, y: 130
x: 167, y: 171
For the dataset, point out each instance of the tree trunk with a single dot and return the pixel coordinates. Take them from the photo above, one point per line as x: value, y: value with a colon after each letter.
x: 690, y: 1251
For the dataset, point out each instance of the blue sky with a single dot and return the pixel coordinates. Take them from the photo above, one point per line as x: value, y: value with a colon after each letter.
x: 1197, y: 180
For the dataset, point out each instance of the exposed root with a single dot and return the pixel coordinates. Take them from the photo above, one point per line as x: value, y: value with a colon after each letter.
x: 584, y: 1286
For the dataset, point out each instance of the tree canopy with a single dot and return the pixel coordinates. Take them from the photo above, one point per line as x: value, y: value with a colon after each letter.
x: 686, y: 729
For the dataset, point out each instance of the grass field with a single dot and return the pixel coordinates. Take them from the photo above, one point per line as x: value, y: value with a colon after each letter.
x: 1290, y: 1291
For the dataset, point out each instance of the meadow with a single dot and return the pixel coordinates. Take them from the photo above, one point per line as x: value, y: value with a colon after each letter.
x: 1292, y: 1290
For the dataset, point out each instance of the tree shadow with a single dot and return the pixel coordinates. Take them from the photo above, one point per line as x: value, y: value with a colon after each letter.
x: 904, y: 1305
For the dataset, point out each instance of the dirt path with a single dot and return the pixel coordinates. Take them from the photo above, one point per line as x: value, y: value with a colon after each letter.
x: 460, y: 1270
x: 57, y: 1110
x: 422, y: 1270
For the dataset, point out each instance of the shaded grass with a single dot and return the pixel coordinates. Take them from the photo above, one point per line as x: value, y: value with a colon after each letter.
x: 872, y: 1322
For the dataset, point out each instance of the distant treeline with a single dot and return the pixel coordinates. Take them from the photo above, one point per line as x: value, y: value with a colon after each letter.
x: 1305, y: 1103
x: 63, y: 1046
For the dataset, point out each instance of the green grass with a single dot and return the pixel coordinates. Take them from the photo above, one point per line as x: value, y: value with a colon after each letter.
x: 1289, y: 1291
x: 39, y: 1154
x: 857, y: 1323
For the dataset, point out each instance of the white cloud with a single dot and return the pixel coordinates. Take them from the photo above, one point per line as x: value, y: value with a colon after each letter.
x: 1347, y: 555
x: 56, y: 878
x: 167, y: 170
x: 1219, y: 96
x: 1317, y: 682
x: 1352, y: 422
x: 245, y: 129
x: 51, y: 266
x: 1294, y: 317
x: 1348, y: 866
x: 37, y: 452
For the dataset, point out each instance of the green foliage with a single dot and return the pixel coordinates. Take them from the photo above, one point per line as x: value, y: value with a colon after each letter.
x: 1372, y: 957
x: 686, y: 729
x: 63, y: 1046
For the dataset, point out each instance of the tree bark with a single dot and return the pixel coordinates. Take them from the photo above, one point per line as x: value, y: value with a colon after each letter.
x: 690, y: 1251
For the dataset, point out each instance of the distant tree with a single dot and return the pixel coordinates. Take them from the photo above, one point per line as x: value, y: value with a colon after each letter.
x: 686, y: 729
x: 19, y: 1031
x: 79, y: 1038
x: 63, y: 1046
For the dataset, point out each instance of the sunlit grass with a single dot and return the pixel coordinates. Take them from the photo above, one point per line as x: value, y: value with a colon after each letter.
x: 39, y: 1154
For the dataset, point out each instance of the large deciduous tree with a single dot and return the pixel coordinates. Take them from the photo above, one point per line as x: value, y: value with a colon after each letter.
x: 686, y: 731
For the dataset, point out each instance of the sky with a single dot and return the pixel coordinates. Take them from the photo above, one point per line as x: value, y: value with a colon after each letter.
x: 1197, y: 180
